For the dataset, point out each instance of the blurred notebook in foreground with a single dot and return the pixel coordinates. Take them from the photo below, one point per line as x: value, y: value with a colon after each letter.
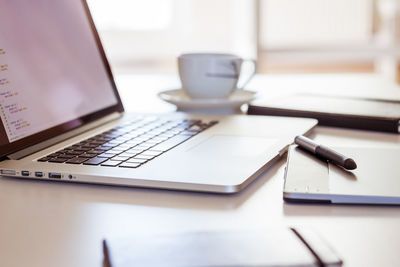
x: 339, y: 111
x: 277, y: 247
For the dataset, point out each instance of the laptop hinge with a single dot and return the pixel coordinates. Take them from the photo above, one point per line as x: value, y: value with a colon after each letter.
x: 37, y: 147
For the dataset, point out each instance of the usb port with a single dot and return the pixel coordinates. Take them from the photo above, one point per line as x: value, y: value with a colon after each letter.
x: 54, y: 175
x: 25, y: 173
x: 39, y: 174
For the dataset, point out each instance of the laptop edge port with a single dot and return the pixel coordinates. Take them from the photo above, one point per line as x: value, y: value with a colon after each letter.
x: 54, y: 175
x: 39, y: 174
x: 25, y: 173
x: 8, y: 172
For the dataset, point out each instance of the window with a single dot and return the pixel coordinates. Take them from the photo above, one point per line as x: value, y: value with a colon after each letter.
x: 147, y: 36
x: 350, y: 34
x: 143, y: 36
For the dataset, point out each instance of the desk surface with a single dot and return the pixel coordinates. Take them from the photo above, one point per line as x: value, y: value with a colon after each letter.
x: 60, y: 224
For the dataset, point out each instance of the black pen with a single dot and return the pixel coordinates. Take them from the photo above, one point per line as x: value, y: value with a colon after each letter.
x: 325, y: 153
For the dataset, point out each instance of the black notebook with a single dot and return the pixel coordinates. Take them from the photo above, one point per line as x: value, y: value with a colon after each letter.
x: 338, y: 111
x: 273, y: 247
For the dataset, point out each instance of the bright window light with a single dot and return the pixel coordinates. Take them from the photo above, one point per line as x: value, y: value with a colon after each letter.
x: 131, y: 15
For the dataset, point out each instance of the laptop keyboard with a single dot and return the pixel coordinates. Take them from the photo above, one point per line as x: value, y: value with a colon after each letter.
x: 130, y: 145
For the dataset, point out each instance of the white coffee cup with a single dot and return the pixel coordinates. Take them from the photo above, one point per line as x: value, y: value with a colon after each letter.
x: 206, y: 75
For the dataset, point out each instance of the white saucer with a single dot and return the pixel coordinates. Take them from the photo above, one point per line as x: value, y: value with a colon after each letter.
x: 209, y: 105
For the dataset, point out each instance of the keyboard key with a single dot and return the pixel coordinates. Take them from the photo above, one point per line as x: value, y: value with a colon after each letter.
x: 122, y: 147
x: 133, y: 160
x: 141, y: 156
x: 108, y: 145
x: 127, y: 155
x: 114, y: 151
x: 119, y: 158
x: 62, y: 151
x: 111, y: 163
x: 73, y: 152
x: 152, y: 153
x: 65, y: 156
x: 129, y: 165
x: 96, y: 151
x: 159, y: 139
x: 57, y: 160
x: 115, y: 142
x: 148, y: 135
x: 96, y: 142
x: 107, y: 155
x: 90, y: 146
x: 136, y: 133
x: 170, y: 143
x: 166, y: 135
x: 76, y: 160
x: 144, y: 147
x: 195, y: 128
x: 88, y: 155
x: 153, y: 142
x: 110, y: 135
x: 95, y: 161
x: 133, y: 143
x: 83, y: 149
x: 188, y: 133
x: 103, y: 147
x: 134, y: 151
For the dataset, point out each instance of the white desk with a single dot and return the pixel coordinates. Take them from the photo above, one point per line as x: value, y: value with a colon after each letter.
x: 59, y: 224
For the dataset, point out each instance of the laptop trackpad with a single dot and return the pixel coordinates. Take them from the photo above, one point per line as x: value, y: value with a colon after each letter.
x: 237, y: 146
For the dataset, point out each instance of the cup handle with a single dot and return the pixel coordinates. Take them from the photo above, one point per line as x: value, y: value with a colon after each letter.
x: 251, y: 75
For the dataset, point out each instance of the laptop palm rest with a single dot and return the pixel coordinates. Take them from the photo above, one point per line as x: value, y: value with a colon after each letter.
x: 239, y: 146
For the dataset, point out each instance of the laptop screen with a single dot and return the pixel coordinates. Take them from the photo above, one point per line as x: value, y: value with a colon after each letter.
x: 53, y: 71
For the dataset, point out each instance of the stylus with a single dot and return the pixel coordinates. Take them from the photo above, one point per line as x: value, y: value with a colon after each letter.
x: 325, y: 152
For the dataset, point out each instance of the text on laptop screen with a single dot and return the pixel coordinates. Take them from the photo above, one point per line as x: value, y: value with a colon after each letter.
x: 51, y: 71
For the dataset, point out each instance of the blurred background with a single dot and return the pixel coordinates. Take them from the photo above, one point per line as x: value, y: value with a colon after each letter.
x: 282, y: 35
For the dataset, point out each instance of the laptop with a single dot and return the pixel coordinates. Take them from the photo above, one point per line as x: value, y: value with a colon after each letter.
x: 62, y: 118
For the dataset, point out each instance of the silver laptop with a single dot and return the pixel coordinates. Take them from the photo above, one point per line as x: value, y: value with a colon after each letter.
x: 63, y: 120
